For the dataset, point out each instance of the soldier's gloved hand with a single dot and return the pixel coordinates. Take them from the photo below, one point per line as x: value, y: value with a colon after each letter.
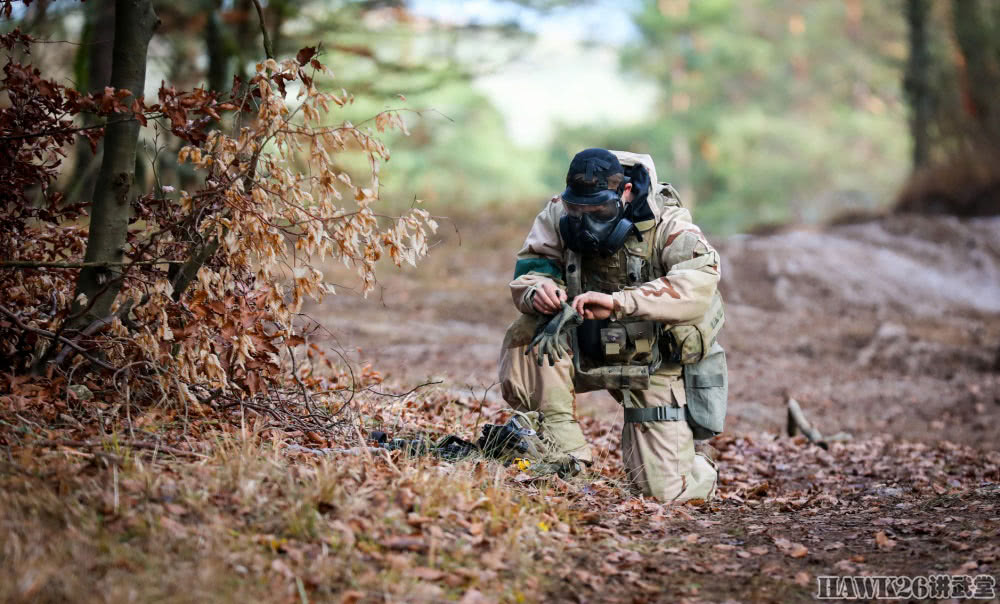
x: 548, y: 341
x: 547, y: 299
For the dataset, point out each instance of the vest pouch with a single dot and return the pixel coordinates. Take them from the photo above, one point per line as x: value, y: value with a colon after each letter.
x: 629, y: 342
x: 642, y: 337
x: 612, y: 377
x: 706, y: 386
x: 615, y: 344
x: 687, y: 344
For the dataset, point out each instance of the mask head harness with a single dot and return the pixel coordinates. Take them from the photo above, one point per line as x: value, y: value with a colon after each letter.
x: 595, y: 221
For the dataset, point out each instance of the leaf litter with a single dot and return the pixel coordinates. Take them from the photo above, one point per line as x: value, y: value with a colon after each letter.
x: 397, y: 528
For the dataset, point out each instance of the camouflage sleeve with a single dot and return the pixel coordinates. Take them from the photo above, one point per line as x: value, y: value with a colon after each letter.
x: 540, y: 259
x: 683, y: 295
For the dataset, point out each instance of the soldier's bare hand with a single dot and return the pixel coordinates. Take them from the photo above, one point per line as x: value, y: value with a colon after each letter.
x: 548, y: 299
x: 594, y: 305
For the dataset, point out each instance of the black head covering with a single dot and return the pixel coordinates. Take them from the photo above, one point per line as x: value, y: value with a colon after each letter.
x: 587, y: 178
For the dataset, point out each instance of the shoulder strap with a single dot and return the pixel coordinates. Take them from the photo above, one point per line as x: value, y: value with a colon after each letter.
x: 656, y: 252
x: 574, y: 286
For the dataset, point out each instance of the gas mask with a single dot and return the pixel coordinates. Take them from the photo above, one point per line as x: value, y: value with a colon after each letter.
x: 598, y: 227
x: 596, y: 219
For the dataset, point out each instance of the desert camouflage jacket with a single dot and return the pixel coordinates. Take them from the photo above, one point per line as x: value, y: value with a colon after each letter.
x: 689, y: 265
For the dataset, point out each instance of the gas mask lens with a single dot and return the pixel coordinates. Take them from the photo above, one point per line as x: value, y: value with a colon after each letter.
x: 600, y: 212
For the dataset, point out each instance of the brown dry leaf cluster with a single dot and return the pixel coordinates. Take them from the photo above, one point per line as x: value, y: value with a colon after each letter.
x: 208, y: 314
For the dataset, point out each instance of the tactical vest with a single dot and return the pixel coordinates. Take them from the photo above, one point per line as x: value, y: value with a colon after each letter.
x: 622, y: 354
x: 608, y: 353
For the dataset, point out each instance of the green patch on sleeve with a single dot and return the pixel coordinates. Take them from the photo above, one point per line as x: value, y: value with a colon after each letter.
x: 537, y: 265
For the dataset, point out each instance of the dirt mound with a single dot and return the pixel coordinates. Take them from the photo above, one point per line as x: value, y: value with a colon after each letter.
x: 909, y: 264
x: 886, y: 325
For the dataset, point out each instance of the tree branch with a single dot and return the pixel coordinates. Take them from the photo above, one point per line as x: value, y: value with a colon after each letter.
x: 48, y: 334
x: 263, y: 30
x: 87, y: 332
x: 32, y: 264
x: 797, y: 422
x: 74, y: 130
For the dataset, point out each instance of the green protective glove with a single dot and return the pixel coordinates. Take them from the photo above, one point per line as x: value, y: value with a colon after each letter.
x: 547, y: 340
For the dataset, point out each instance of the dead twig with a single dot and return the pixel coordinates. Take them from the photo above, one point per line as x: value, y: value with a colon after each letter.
x: 32, y: 264
x: 53, y: 336
x: 797, y: 422
x: 135, y: 444
x: 407, y: 393
x: 90, y: 330
x: 263, y: 30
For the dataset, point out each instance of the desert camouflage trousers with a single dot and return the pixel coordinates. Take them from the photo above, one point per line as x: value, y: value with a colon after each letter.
x: 659, y: 456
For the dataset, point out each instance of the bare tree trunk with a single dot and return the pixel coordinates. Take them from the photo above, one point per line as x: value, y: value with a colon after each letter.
x: 976, y: 39
x: 135, y: 22
x: 93, y: 73
x: 219, y: 49
x: 915, y: 83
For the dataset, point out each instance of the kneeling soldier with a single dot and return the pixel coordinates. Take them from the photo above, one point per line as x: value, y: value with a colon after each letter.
x: 615, y: 274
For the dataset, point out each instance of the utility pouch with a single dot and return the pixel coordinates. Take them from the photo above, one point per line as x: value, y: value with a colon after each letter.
x: 642, y: 336
x: 687, y: 344
x: 614, y: 341
x: 614, y: 377
x: 706, y: 387
x: 629, y: 342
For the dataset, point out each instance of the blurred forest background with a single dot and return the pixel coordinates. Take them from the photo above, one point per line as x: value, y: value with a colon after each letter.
x: 760, y: 113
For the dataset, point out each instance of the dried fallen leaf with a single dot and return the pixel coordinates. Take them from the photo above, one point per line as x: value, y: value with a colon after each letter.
x: 411, y: 544
x: 474, y: 596
x: 351, y: 597
x: 278, y: 565
x: 425, y: 573
x: 475, y: 504
x: 883, y: 541
x: 175, y: 509
x: 495, y: 559
x: 414, y: 519
x: 648, y: 587
x: 802, y: 578
x: 176, y: 528
x: 347, y: 538
x: 795, y: 550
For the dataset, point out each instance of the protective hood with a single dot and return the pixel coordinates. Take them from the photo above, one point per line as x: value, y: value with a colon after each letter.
x: 628, y: 158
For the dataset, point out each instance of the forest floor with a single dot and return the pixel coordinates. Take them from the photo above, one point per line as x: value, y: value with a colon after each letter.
x: 888, y: 330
